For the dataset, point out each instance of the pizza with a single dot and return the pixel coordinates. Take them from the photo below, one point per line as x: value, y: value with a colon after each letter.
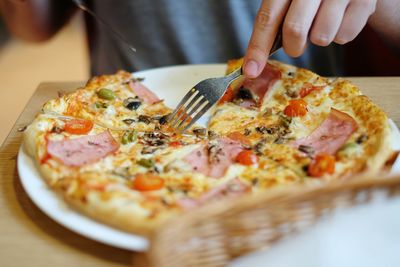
x: 108, y: 150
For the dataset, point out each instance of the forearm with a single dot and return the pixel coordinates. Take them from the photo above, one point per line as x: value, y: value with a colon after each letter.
x: 35, y: 20
x: 386, y: 21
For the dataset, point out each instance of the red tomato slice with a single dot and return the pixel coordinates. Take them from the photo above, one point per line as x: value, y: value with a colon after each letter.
x: 322, y: 164
x: 147, y: 182
x: 308, y: 88
x: 237, y: 136
x: 175, y: 144
x: 296, y: 108
x: 247, y: 157
x: 227, y: 97
x: 78, y: 126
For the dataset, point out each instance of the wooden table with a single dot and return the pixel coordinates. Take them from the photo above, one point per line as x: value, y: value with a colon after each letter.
x: 29, y: 238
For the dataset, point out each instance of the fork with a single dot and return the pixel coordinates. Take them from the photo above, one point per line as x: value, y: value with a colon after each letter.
x: 205, y: 94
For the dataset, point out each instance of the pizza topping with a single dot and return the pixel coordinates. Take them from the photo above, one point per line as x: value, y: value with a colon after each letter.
x: 99, y: 104
x: 291, y: 92
x: 259, y: 147
x: 145, y: 119
x: 147, y: 182
x: 212, y: 135
x: 308, y: 150
x: 143, y: 92
x: 78, y: 126
x: 322, y: 164
x: 244, y: 98
x: 132, y: 103
x: 200, y: 132
x: 332, y: 134
x: 129, y: 137
x: 244, y: 93
x: 106, y: 94
x: 227, y: 97
x: 57, y: 129
x: 296, y: 108
x: 362, y: 138
x: 84, y: 150
x: 247, y: 157
x: 285, y: 121
x: 175, y: 144
x: 308, y: 88
x: 164, y: 119
x: 237, y: 136
x: 147, y: 163
x: 215, y: 158
x: 128, y: 121
x: 264, y: 82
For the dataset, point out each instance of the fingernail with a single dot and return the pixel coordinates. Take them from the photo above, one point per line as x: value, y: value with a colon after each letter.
x: 251, y: 69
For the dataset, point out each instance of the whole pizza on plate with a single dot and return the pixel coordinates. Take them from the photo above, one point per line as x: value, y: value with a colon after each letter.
x: 108, y: 150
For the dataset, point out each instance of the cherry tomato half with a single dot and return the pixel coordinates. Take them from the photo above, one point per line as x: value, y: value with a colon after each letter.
x: 147, y: 182
x: 308, y: 88
x: 296, y: 108
x: 322, y: 164
x: 78, y: 126
x: 247, y: 157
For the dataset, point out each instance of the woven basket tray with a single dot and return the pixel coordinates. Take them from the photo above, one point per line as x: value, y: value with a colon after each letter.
x: 218, y: 232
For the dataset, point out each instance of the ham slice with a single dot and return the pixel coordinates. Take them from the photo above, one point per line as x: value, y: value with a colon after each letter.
x: 232, y: 188
x: 84, y: 150
x: 143, y: 92
x: 331, y: 135
x: 214, y: 160
x: 260, y: 85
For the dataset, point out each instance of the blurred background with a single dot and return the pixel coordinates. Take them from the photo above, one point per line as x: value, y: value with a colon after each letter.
x: 24, y: 65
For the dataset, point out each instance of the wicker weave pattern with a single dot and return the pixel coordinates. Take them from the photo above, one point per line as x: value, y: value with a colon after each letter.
x: 219, y: 232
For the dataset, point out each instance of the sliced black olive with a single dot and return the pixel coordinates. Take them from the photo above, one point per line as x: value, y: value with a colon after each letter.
x: 132, y: 103
x: 164, y: 119
x: 244, y: 93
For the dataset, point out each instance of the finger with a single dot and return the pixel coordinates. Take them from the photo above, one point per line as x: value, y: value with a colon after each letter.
x: 354, y: 20
x: 266, y: 26
x: 327, y: 21
x: 297, y: 25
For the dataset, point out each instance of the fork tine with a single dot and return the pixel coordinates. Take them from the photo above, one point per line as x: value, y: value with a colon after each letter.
x: 183, y: 113
x: 198, y: 115
x: 192, y: 111
x: 181, y: 103
x: 187, y: 109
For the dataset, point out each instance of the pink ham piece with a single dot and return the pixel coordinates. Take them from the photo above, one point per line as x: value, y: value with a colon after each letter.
x: 260, y: 85
x: 84, y: 150
x: 331, y: 135
x: 232, y: 188
x: 214, y: 161
x: 143, y: 92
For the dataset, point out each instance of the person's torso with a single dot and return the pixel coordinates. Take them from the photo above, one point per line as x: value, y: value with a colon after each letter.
x: 171, y: 32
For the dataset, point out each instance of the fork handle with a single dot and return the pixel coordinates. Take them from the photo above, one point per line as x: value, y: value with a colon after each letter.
x: 234, y: 75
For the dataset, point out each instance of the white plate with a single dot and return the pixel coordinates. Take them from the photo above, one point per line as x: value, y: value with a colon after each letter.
x: 168, y: 83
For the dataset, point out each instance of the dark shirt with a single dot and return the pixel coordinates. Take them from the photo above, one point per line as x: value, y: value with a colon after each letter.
x: 172, y: 32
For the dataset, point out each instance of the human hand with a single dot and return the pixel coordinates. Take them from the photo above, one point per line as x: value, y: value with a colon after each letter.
x: 321, y: 21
